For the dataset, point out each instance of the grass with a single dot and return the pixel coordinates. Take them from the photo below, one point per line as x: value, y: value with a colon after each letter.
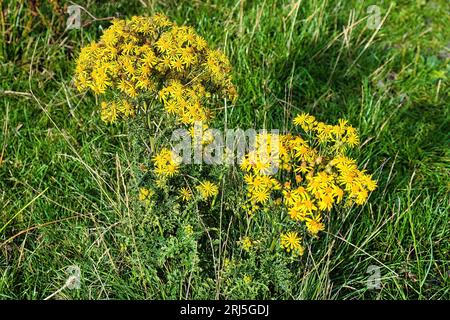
x: 64, y: 197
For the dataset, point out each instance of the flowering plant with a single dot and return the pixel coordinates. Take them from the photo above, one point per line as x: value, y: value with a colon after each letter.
x: 314, y: 175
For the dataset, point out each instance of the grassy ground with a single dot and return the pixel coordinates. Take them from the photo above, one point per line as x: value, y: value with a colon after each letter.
x: 63, y: 199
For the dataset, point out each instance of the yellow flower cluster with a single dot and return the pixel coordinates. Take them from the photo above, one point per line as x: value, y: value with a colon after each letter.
x: 152, y: 57
x: 341, y: 135
x: 259, y: 188
x: 247, y: 279
x: 145, y: 194
x: 310, y: 173
x: 111, y: 111
x: 206, y: 190
x: 166, y: 163
x: 246, y: 243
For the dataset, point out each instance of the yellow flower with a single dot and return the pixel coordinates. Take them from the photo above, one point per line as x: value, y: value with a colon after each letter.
x: 326, y: 202
x: 185, y: 194
x: 109, y: 112
x: 177, y: 64
x: 361, y: 196
x: 127, y: 48
x: 246, y: 243
x: 351, y: 137
x: 290, y: 241
x: 297, y: 213
x: 200, y: 43
x: 187, y: 56
x: 338, y: 193
x: 208, y: 189
x: 166, y: 163
x: 260, y: 196
x: 347, y: 176
x: 164, y: 43
x: 145, y: 194
x: 308, y: 205
x: 367, y: 181
x: 315, y: 225
x: 306, y: 121
x: 247, y: 279
x: 188, y: 230
x: 125, y: 108
x: 300, y: 119
x: 300, y: 193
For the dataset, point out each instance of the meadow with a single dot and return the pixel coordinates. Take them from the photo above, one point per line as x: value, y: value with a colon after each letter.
x: 68, y: 189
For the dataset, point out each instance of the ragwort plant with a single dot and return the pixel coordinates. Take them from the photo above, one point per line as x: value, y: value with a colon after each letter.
x: 160, y: 76
x: 147, y: 69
